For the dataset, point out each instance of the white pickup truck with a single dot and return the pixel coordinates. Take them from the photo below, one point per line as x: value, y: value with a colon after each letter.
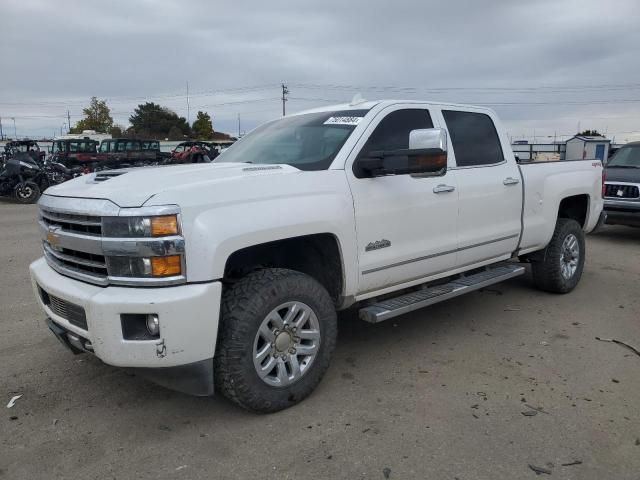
x: 230, y: 274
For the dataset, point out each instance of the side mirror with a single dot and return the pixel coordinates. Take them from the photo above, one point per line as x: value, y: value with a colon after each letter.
x: 427, y: 155
x: 428, y: 138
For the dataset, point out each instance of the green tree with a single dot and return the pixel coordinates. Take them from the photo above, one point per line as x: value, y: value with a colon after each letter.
x: 175, y: 134
x: 157, y: 120
x: 202, y: 127
x: 97, y: 116
x: 590, y: 133
x: 117, y: 131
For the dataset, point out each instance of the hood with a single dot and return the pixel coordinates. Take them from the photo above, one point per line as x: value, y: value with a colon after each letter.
x: 134, y: 187
x: 628, y: 175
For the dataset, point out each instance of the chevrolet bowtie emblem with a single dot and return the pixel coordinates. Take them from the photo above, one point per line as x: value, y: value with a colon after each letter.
x: 53, y: 238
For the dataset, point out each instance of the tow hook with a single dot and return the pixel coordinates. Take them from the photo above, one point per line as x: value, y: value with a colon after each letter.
x: 161, y: 349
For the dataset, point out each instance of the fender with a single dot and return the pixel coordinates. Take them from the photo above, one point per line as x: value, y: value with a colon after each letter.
x: 266, y: 208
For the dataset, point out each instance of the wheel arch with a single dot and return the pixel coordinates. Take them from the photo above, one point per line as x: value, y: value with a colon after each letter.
x: 318, y: 255
x: 575, y: 207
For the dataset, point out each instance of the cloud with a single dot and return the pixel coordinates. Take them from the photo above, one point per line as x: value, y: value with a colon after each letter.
x: 530, y: 59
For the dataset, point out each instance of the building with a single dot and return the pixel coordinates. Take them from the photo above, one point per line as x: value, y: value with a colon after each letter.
x: 583, y: 147
x: 91, y: 134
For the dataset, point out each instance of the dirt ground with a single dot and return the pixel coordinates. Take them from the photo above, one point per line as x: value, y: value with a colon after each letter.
x: 448, y: 392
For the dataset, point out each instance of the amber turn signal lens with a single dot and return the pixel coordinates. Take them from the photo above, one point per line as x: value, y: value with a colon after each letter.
x: 166, y: 266
x: 164, y: 225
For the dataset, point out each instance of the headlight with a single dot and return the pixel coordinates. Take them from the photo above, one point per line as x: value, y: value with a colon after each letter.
x: 145, y: 267
x: 157, y: 226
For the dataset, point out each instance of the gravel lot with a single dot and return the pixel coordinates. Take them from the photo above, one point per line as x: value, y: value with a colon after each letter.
x: 439, y: 393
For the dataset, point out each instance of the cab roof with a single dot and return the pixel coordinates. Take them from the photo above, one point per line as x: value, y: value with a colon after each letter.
x: 370, y: 104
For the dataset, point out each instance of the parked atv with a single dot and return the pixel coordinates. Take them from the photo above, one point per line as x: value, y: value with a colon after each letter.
x: 30, y: 147
x: 73, y: 153
x: 22, y: 179
x: 57, y: 173
x: 193, y: 152
x: 126, y: 152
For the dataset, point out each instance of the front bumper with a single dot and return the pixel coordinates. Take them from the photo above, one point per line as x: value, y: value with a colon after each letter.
x: 622, y: 212
x: 188, y: 325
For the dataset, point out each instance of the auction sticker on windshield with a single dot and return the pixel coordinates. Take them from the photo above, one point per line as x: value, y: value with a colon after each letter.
x: 343, y: 121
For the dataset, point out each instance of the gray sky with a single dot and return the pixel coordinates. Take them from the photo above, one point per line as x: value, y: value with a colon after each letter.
x: 544, y: 65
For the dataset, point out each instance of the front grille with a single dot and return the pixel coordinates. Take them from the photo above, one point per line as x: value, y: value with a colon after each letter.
x: 79, y: 261
x: 85, y: 224
x: 71, y: 312
x: 88, y: 266
x: 621, y: 191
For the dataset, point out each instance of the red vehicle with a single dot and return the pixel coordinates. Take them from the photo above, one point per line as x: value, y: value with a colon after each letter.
x: 126, y: 152
x: 74, y: 152
x: 193, y: 152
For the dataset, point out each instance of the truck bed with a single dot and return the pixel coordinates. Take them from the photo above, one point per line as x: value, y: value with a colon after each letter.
x: 544, y: 183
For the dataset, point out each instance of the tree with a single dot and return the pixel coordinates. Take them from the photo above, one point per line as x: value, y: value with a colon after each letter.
x: 157, y: 120
x: 202, y: 127
x: 117, y: 131
x: 97, y: 116
x: 590, y: 133
x: 175, y: 134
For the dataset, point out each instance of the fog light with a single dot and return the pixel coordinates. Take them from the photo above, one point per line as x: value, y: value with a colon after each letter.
x: 153, y: 325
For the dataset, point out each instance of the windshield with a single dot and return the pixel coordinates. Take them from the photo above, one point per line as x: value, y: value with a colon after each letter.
x: 626, y: 157
x: 308, y: 142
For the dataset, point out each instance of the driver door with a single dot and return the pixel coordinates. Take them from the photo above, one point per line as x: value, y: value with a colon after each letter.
x: 405, y: 224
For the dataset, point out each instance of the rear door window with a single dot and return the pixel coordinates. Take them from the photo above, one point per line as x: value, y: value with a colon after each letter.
x: 474, y: 138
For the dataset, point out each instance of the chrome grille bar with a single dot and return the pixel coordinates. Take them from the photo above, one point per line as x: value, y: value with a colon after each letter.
x: 74, y: 257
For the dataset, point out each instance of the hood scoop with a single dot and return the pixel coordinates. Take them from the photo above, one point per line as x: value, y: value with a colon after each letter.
x: 106, y: 175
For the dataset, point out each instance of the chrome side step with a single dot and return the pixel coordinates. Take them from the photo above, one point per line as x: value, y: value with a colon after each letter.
x: 392, y: 307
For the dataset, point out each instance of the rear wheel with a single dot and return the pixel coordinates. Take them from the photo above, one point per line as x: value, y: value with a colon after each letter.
x: 277, y: 334
x: 26, y: 192
x: 563, y: 261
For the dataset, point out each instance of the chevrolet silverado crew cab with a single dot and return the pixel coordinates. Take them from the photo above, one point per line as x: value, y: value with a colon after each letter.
x: 229, y: 274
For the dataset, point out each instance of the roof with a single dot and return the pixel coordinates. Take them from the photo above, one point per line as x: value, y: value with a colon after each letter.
x: 594, y: 138
x: 368, y: 105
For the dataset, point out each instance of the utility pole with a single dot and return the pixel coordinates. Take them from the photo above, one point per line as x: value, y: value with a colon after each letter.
x: 238, y: 125
x: 69, y: 120
x: 1, y: 135
x: 188, y: 106
x: 15, y: 132
x: 285, y: 92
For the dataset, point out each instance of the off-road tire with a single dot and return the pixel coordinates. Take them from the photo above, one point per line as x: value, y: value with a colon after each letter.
x: 245, y: 304
x: 547, y: 272
x: 32, y: 197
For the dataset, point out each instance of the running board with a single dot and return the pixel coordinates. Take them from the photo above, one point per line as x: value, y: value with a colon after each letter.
x: 392, y: 307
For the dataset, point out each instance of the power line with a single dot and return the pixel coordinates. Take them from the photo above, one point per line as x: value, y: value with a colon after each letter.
x: 119, y: 99
x: 537, y: 88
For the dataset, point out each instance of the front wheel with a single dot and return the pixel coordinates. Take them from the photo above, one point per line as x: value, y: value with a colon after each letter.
x: 277, y: 334
x: 563, y: 261
x: 26, y: 192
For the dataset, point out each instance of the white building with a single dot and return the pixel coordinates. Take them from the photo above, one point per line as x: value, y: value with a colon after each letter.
x: 583, y: 147
x: 91, y: 134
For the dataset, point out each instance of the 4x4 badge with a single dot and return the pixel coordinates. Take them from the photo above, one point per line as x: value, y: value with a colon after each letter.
x: 377, y: 245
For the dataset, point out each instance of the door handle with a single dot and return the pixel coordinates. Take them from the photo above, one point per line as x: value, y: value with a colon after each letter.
x: 442, y: 188
x: 511, y: 181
